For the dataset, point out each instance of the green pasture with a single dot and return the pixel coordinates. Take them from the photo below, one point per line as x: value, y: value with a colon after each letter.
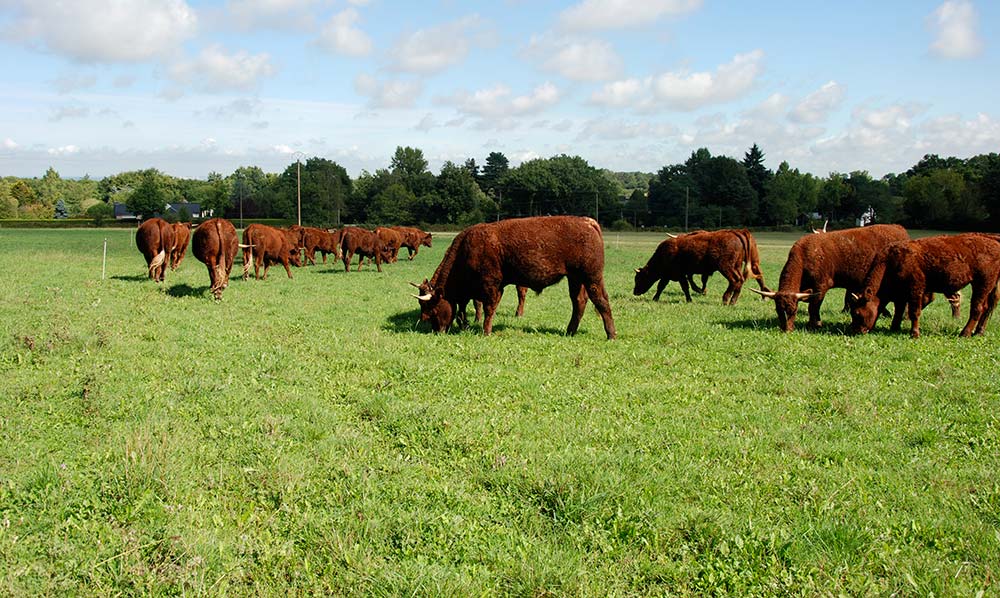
x: 308, y: 436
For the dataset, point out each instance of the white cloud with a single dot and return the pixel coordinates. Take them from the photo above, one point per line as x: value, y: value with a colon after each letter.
x: 954, y: 25
x: 426, y: 123
x: 896, y: 116
x: 64, y: 112
x: 578, y: 60
x: 64, y: 150
x: 433, y: 50
x: 498, y: 102
x: 101, y: 31
x: 9, y: 144
x: 340, y: 35
x: 270, y: 14
x: 283, y: 149
x: 617, y: 129
x: 619, y: 94
x: 391, y: 93
x: 689, y: 91
x: 817, y: 106
x: 215, y: 70
x: 72, y: 82
x: 620, y: 14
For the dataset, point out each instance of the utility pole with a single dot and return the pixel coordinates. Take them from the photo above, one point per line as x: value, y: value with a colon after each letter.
x: 685, y: 209
x: 597, y: 208
x: 241, y: 199
x: 298, y: 188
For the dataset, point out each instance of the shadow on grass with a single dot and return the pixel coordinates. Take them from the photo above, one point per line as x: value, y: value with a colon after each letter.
x: 771, y: 325
x: 135, y: 278
x: 185, y: 290
x: 409, y: 321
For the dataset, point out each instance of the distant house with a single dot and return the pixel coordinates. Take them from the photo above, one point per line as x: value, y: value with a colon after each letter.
x: 172, y: 210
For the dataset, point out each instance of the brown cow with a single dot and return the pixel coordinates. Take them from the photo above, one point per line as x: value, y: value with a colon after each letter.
x: 530, y: 252
x: 413, y: 238
x: 391, y: 240
x: 731, y: 252
x: 182, y: 235
x: 316, y: 239
x: 155, y: 239
x: 215, y: 244
x: 266, y: 245
x: 819, y: 262
x: 365, y: 243
x: 907, y: 273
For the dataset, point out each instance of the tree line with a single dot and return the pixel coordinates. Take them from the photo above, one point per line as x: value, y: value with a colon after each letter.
x: 705, y: 191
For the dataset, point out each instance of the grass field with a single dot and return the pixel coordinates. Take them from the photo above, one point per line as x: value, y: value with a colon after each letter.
x: 308, y: 436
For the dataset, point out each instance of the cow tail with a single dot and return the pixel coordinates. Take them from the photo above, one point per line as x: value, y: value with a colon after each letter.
x: 246, y: 260
x: 158, y: 260
x: 221, y: 280
x: 747, y: 255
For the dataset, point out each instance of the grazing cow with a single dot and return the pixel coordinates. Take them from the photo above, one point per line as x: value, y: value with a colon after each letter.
x: 731, y: 252
x: 413, y: 238
x: 391, y: 240
x: 819, y: 262
x: 215, y: 244
x: 907, y: 273
x: 365, y: 243
x: 316, y: 239
x: 155, y: 239
x: 182, y: 234
x: 530, y: 252
x: 266, y: 245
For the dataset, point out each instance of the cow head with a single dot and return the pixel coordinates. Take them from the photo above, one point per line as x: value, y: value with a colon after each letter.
x: 295, y: 256
x: 434, y: 309
x: 643, y: 280
x: 864, y: 311
x: 426, y: 241
x: 786, y: 304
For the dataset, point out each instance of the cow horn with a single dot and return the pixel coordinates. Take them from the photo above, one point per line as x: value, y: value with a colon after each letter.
x: 244, y: 246
x: 671, y: 236
x: 426, y: 297
x: 855, y: 297
x: 768, y: 294
x: 637, y: 270
x: 804, y: 295
x: 414, y: 285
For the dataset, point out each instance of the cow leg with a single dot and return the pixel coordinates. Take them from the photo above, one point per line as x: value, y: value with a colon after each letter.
x: 479, y: 309
x: 899, y: 307
x: 411, y: 252
x: 284, y: 263
x: 347, y: 260
x: 977, y: 306
x: 991, y: 303
x: 578, y: 298
x: 490, y: 309
x: 257, y: 265
x: 378, y: 261
x: 735, y: 286
x: 659, y: 288
x: 914, y: 309
x: 814, y: 304
x: 684, y: 287
x: 522, y: 292
x: 361, y: 260
x: 599, y: 295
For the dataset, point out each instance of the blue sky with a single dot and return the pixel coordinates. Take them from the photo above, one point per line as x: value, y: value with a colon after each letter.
x: 189, y: 87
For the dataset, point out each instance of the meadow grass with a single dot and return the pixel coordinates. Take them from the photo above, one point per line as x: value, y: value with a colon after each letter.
x: 310, y: 436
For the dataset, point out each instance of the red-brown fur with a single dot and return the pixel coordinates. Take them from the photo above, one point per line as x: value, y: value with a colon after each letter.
x: 819, y: 262
x: 530, y: 252
x: 155, y: 239
x: 391, y: 241
x: 365, y: 243
x: 214, y: 243
x: 907, y: 273
x: 730, y: 252
x: 413, y: 238
x: 182, y: 235
x: 316, y: 239
x: 268, y: 246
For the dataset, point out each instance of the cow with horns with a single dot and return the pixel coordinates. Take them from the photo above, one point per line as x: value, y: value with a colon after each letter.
x: 532, y: 252
x: 907, y: 274
x: 819, y: 262
x: 266, y: 245
x: 680, y: 257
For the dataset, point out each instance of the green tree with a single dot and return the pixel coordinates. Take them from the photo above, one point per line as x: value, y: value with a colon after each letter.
x: 393, y: 205
x: 22, y: 193
x: 784, y: 198
x: 757, y: 174
x: 410, y: 169
x: 8, y: 205
x: 494, y: 171
x: 101, y: 212
x: 148, y: 198
x: 218, y: 194
x: 832, y: 195
x: 930, y: 198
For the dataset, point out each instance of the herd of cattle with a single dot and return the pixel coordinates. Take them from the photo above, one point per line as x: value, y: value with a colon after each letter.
x: 878, y: 265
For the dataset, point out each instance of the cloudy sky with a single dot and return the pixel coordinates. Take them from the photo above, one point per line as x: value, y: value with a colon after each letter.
x: 192, y: 86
